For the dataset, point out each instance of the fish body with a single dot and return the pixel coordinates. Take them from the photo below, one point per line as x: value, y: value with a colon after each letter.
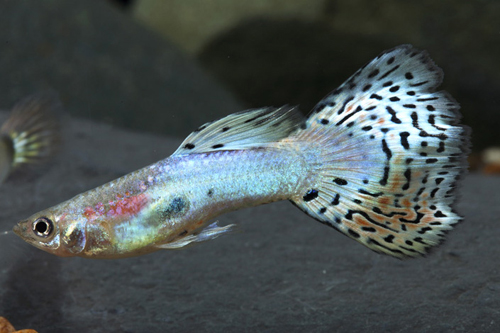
x: 158, y: 205
x: 377, y: 160
x: 31, y: 133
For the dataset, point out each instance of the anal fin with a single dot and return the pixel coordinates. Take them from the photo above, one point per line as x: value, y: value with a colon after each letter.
x: 211, y: 232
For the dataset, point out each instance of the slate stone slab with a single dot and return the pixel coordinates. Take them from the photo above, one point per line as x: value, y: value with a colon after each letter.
x: 280, y: 272
x: 105, y: 66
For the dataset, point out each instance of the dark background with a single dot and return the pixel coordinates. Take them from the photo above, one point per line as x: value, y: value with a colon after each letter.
x: 127, y: 82
x: 143, y: 65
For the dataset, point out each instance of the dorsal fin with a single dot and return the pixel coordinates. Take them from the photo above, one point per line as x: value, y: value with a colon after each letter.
x: 242, y: 130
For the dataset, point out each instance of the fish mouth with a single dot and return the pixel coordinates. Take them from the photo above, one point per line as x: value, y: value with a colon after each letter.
x: 20, y: 230
x: 17, y: 230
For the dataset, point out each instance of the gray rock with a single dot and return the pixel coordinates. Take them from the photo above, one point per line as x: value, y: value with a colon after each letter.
x: 282, y: 272
x: 105, y: 66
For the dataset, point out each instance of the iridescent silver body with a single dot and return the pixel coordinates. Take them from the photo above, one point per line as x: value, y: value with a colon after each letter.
x: 180, y: 195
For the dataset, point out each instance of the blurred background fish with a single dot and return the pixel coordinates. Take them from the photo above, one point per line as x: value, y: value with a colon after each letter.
x: 31, y: 133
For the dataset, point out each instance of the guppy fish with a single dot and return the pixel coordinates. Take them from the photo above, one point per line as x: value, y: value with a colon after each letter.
x: 377, y: 159
x: 31, y: 133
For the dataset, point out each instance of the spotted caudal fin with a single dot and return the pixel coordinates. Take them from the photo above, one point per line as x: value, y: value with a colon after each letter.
x: 391, y: 152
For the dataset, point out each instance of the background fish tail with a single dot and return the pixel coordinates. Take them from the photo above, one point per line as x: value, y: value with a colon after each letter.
x: 391, y: 152
x: 32, y: 131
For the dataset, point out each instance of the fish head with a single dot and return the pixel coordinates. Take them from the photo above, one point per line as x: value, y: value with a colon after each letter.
x: 53, y: 232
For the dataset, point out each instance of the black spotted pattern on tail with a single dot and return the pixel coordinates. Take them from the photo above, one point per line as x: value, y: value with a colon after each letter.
x: 391, y: 153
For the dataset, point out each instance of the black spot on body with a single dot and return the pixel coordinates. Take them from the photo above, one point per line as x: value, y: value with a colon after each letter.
x: 362, y: 191
x: 439, y: 214
x: 441, y: 147
x: 225, y: 129
x: 386, y: 149
x: 353, y: 233
x: 176, y: 208
x: 407, y: 175
x: 219, y: 145
x: 394, y: 99
x: 319, y: 107
x: 427, y: 99
x: 367, y: 87
x: 336, y: 200
x: 408, y: 76
x: 345, y: 104
x: 375, y: 96
x: 358, y: 109
x: 389, y: 238
x: 189, y: 146
x: 417, y: 219
x: 324, y: 121
x: 424, y: 230
x: 386, y: 74
x: 262, y: 113
x: 404, y: 140
x: 394, y: 118
x: 310, y: 195
x: 350, y: 213
x: 368, y: 229
x: 419, y: 240
x: 340, y: 181
x: 384, y: 179
x: 322, y: 210
x: 373, y: 73
x: 418, y: 84
x: 394, y: 89
x: 210, y: 192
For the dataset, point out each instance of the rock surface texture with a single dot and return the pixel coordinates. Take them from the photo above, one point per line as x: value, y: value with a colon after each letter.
x: 281, y: 272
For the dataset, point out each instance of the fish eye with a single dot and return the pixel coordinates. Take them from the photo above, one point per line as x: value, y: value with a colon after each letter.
x: 43, y: 227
